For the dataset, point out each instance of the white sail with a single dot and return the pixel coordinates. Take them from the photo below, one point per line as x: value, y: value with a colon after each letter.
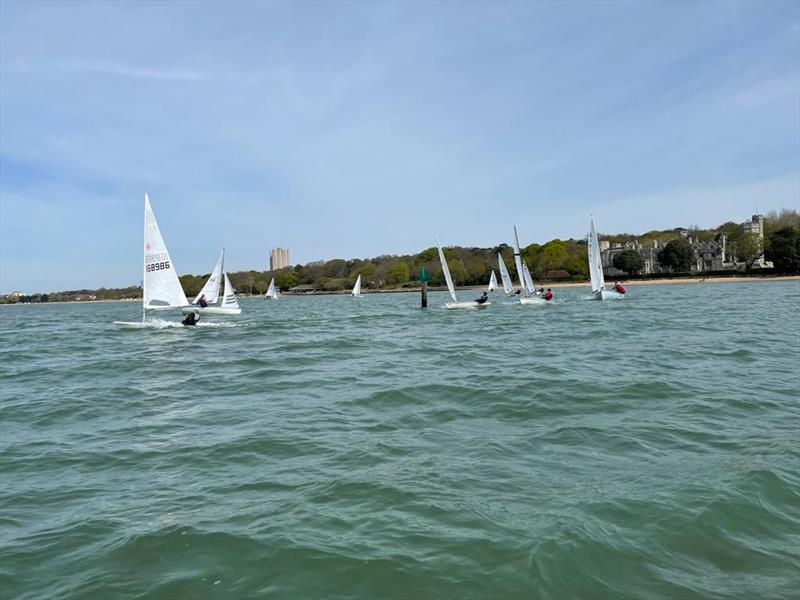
x: 528, y: 279
x: 211, y: 288
x: 595, y: 262
x: 518, y: 262
x: 228, y: 294
x: 493, y: 282
x: 272, y: 292
x: 446, y: 272
x: 508, y: 287
x: 357, y: 288
x: 162, y: 289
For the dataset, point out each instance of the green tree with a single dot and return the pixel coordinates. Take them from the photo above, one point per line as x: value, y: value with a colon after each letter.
x: 629, y: 261
x: 748, y: 249
x: 784, y: 250
x: 398, y: 274
x: 677, y: 255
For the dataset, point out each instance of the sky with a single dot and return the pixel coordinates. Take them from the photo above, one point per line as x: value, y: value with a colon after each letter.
x: 351, y: 130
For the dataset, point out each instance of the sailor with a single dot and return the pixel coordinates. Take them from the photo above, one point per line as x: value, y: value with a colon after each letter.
x: 192, y: 318
x: 484, y: 297
x: 618, y: 287
x: 202, y: 301
x: 517, y: 292
x: 548, y: 295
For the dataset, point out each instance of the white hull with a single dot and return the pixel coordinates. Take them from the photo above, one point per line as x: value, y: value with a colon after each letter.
x: 466, y: 305
x: 211, y: 310
x: 271, y: 297
x: 607, y: 295
x: 534, y: 300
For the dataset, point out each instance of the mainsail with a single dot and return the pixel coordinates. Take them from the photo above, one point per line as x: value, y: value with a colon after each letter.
x: 211, y: 288
x: 518, y: 262
x: 528, y: 279
x: 507, y: 285
x: 357, y: 288
x: 493, y: 282
x: 271, y: 291
x: 162, y: 289
x: 228, y: 294
x: 595, y: 262
x: 446, y: 272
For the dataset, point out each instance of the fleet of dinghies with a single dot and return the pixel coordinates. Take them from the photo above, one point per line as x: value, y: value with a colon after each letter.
x: 161, y: 288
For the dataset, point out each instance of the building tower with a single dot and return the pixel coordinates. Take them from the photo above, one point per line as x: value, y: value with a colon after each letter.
x: 279, y: 259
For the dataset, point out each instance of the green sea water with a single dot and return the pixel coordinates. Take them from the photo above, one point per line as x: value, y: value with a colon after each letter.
x: 362, y: 448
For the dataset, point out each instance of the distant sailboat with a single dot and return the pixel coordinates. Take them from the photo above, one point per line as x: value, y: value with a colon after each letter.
x: 529, y: 295
x: 229, y: 302
x: 599, y: 291
x: 446, y: 270
x: 508, y: 287
x: 492, y: 282
x: 161, y: 288
x: 272, y: 292
x: 356, y: 293
x: 211, y: 292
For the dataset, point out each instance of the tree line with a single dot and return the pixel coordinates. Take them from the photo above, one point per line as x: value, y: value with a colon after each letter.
x: 556, y: 260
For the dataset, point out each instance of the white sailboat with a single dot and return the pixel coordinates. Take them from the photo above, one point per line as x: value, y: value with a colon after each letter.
x: 599, y: 291
x: 492, y: 282
x: 446, y: 270
x: 529, y: 295
x: 356, y: 293
x: 161, y: 288
x: 211, y: 292
x: 508, y: 287
x: 272, y: 292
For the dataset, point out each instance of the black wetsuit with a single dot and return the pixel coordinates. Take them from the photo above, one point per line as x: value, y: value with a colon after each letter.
x: 191, y: 319
x: 484, y: 297
x: 202, y: 302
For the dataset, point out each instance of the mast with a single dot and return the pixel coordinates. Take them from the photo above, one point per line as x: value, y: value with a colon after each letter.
x: 144, y: 255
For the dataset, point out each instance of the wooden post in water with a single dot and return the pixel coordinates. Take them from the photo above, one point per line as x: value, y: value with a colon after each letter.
x: 423, y: 277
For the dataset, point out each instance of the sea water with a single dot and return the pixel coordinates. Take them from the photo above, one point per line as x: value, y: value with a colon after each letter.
x: 363, y: 448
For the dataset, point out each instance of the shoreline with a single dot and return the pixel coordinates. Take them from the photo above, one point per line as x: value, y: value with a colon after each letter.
x: 553, y: 285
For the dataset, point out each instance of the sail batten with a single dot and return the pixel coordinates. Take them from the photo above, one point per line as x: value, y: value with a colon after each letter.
x: 228, y: 294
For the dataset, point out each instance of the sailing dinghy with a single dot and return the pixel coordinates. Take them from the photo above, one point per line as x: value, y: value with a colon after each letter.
x: 356, y: 293
x: 161, y: 288
x: 529, y: 295
x: 446, y: 270
x: 272, y: 292
x: 599, y: 291
x: 492, y: 282
x: 211, y: 292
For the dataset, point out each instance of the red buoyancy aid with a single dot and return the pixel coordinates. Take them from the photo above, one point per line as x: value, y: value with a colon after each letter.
x: 619, y: 288
x: 548, y: 295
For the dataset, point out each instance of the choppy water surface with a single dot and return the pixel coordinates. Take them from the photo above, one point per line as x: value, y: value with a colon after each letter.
x: 335, y: 447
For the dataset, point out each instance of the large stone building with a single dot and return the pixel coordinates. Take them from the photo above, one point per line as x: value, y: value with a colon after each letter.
x: 714, y: 255
x: 279, y: 259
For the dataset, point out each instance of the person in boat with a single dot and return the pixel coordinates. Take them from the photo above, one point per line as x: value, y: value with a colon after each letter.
x: 483, y: 298
x: 192, y: 318
x: 202, y: 301
x: 517, y: 292
x: 548, y: 295
x: 618, y: 288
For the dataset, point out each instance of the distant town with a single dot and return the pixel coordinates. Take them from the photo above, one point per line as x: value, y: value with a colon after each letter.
x: 764, y: 244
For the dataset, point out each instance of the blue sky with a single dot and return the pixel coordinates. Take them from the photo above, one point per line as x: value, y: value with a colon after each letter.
x: 346, y: 130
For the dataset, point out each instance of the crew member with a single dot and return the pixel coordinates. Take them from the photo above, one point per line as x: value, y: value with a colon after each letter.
x: 202, y: 301
x: 548, y: 295
x: 618, y: 287
x: 192, y: 318
x: 484, y: 297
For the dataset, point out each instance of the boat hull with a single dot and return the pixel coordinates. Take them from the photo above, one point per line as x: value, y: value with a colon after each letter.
x: 607, y: 295
x: 535, y: 301
x: 271, y: 297
x: 454, y: 305
x: 211, y: 310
